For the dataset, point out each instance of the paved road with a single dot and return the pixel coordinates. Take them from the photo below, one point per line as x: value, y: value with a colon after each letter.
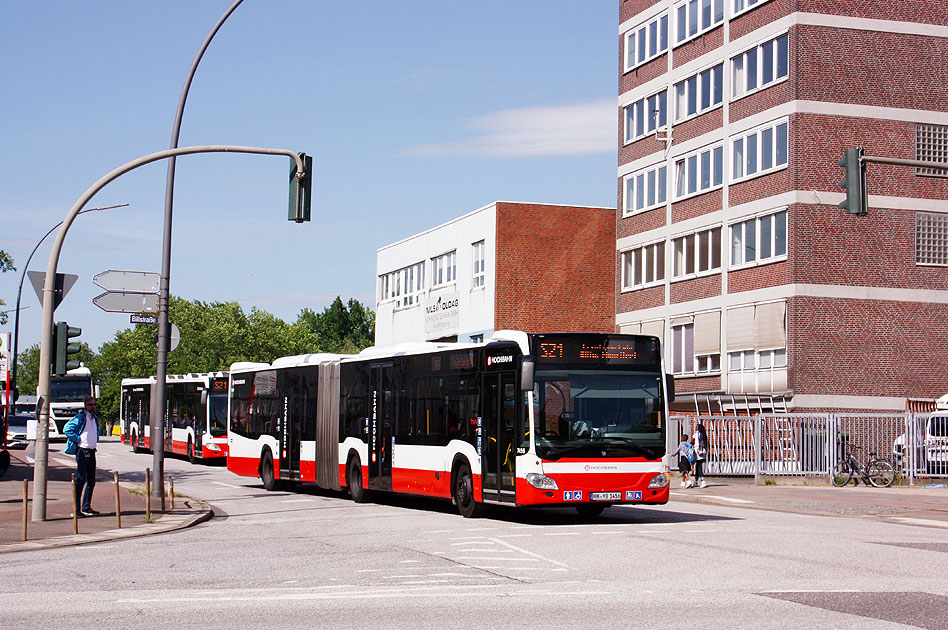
x: 287, y: 559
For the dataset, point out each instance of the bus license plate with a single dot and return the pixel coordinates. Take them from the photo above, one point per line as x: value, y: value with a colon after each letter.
x: 605, y: 496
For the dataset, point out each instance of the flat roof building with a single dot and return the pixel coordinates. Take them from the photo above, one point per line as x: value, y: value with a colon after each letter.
x: 730, y: 243
x: 524, y: 266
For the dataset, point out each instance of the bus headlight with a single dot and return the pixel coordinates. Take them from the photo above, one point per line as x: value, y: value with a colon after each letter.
x: 541, y: 482
x: 659, y: 481
x: 212, y: 447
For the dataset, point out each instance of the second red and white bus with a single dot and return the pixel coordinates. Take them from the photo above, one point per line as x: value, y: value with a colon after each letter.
x: 195, y: 423
x: 522, y: 420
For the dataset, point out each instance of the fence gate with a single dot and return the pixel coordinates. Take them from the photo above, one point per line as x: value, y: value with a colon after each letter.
x: 811, y: 444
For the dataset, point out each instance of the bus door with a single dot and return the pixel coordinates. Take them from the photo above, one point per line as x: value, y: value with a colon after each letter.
x: 380, y: 428
x: 499, y: 443
x: 290, y: 435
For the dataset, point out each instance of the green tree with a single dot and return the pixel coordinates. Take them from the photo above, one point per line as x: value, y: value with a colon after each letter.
x: 6, y: 264
x: 343, y: 328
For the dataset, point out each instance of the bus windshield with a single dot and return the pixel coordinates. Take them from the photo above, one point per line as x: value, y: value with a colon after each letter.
x: 68, y: 391
x: 217, y: 410
x: 598, y: 413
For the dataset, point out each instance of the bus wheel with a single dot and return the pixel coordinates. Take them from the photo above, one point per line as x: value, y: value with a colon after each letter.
x: 590, y: 510
x: 354, y: 480
x: 191, y: 457
x: 266, y: 471
x: 464, y: 492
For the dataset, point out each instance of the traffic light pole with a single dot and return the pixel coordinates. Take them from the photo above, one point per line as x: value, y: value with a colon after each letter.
x: 41, y: 467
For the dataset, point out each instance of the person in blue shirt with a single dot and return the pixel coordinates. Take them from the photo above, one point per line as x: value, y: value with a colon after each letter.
x: 685, y: 454
x: 82, y: 433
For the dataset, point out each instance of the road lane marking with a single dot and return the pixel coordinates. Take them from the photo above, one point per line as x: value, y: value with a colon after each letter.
x: 920, y: 521
x: 226, y: 485
x: 530, y: 553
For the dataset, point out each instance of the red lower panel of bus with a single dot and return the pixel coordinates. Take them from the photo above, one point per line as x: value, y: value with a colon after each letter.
x: 308, y: 471
x: 209, y: 454
x: 424, y: 482
x: 586, y: 488
x: 245, y: 466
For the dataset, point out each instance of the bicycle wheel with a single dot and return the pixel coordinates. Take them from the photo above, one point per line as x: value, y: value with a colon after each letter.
x: 881, y: 473
x: 842, y: 473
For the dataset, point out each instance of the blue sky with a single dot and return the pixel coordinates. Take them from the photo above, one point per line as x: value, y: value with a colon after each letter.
x: 415, y: 112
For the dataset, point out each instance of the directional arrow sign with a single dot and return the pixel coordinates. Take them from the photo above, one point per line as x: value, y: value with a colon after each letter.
x: 125, y: 302
x: 128, y: 281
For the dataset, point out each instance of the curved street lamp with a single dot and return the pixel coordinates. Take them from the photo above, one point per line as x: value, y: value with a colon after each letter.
x: 19, y: 291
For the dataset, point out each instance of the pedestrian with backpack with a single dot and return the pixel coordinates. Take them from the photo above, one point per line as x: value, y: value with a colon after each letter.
x: 685, y: 456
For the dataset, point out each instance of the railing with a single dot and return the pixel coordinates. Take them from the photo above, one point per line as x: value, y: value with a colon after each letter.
x: 811, y: 444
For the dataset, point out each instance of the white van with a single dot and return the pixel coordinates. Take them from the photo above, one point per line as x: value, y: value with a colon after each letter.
x: 929, y: 440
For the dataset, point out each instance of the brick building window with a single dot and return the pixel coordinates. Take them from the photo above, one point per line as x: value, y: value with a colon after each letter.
x: 931, y: 145
x: 699, y: 93
x: 746, y: 5
x: 645, y: 189
x: 696, y: 254
x: 931, y: 238
x: 696, y: 343
x: 759, y: 240
x: 444, y: 269
x: 693, y: 17
x: 477, y: 253
x: 643, y: 266
x: 699, y: 172
x: 760, y: 67
x: 757, y: 337
x: 760, y: 151
x: 646, y: 115
x: 403, y: 286
x: 646, y: 41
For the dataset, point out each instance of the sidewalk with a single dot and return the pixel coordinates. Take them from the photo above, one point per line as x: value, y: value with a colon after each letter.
x: 57, y: 529
x: 907, y: 505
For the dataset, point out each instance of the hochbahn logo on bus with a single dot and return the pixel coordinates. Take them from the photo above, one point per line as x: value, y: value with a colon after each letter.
x: 503, y: 359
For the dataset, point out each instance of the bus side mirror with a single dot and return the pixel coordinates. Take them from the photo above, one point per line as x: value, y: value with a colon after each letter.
x: 526, y: 374
x: 203, y: 397
x: 670, y: 388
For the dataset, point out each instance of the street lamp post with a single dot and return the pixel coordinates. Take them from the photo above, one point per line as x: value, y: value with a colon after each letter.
x: 19, y: 291
x: 164, y: 336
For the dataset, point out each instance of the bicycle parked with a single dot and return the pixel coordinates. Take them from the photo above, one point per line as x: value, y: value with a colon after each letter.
x: 878, y: 472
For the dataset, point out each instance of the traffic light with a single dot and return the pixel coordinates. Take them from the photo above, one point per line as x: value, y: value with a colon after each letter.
x: 857, y: 191
x: 62, y: 333
x: 301, y: 190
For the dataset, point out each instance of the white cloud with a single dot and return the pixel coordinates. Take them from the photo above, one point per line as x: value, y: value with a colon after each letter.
x: 534, y: 131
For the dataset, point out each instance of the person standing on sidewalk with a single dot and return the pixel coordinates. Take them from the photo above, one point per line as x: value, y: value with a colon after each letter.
x: 81, y: 437
x: 685, y: 454
x: 701, y: 454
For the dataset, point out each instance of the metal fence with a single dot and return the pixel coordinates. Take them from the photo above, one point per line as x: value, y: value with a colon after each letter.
x: 811, y: 444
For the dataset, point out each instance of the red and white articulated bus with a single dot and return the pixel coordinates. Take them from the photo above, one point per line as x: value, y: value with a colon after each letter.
x: 569, y: 419
x: 195, y: 419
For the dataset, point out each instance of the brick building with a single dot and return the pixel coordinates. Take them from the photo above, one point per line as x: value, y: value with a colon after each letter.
x: 733, y: 115
x: 521, y: 266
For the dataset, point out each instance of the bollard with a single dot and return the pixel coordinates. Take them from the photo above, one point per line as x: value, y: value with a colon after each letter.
x: 75, y: 506
x: 148, y: 494
x: 171, y: 490
x: 118, y: 503
x: 26, y: 500
x: 162, y: 477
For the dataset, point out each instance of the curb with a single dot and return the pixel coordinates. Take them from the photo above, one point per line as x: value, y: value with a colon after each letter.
x: 168, y: 522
